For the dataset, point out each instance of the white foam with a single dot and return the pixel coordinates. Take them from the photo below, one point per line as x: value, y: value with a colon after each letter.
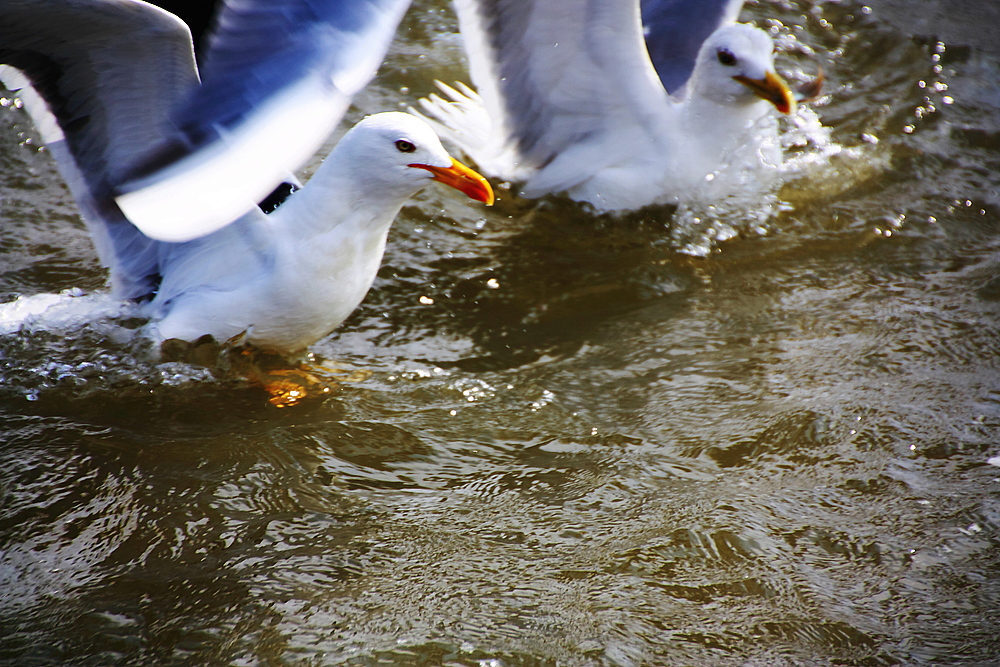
x: 70, y: 309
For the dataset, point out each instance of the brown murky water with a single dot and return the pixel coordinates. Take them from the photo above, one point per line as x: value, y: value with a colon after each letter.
x: 582, y: 441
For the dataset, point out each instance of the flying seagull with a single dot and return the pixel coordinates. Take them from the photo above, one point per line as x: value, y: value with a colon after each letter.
x: 611, y: 104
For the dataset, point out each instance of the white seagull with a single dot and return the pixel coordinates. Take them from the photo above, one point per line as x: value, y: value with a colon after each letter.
x: 167, y: 170
x: 612, y: 107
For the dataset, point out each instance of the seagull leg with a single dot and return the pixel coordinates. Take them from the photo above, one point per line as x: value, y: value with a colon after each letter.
x: 287, y: 385
x: 290, y: 386
x: 287, y: 382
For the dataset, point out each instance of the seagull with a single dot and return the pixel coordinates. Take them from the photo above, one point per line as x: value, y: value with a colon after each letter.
x: 167, y: 169
x: 610, y: 103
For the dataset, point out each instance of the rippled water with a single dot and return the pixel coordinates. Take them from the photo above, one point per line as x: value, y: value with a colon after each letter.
x: 580, y: 441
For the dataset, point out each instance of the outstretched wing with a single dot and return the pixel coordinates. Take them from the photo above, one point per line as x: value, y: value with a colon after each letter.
x: 675, y: 31
x: 98, y: 78
x: 557, y: 73
x: 276, y: 79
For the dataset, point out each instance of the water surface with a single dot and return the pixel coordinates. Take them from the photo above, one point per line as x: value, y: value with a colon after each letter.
x: 755, y: 434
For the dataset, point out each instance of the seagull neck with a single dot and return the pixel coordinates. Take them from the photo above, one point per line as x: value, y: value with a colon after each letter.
x: 337, y: 196
x: 723, y: 116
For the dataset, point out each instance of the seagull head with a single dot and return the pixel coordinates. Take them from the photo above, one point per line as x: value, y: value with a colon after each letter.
x: 736, y: 67
x: 402, y: 154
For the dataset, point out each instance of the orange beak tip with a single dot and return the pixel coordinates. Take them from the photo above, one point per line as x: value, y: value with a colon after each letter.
x: 773, y: 89
x: 463, y: 179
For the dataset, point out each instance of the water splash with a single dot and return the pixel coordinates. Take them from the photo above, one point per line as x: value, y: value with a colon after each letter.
x: 67, y: 310
x: 78, y: 342
x: 744, y: 197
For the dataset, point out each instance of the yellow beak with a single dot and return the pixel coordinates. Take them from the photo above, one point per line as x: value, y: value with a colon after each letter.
x: 461, y: 178
x: 773, y: 89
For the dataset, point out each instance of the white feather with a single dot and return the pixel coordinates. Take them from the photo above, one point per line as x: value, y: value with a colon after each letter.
x: 568, y: 102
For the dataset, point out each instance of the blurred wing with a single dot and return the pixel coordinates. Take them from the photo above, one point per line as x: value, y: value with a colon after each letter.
x: 554, y: 73
x: 277, y: 77
x: 675, y: 31
x: 98, y: 78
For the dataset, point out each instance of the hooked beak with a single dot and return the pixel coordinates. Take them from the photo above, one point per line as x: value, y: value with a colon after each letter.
x: 461, y: 178
x: 773, y: 89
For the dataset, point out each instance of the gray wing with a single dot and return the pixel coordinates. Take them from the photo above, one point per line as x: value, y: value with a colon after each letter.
x: 555, y: 73
x: 276, y: 78
x: 675, y: 31
x: 99, y: 78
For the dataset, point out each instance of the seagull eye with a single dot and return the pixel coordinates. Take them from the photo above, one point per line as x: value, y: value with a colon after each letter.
x: 726, y: 57
x: 405, y: 146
